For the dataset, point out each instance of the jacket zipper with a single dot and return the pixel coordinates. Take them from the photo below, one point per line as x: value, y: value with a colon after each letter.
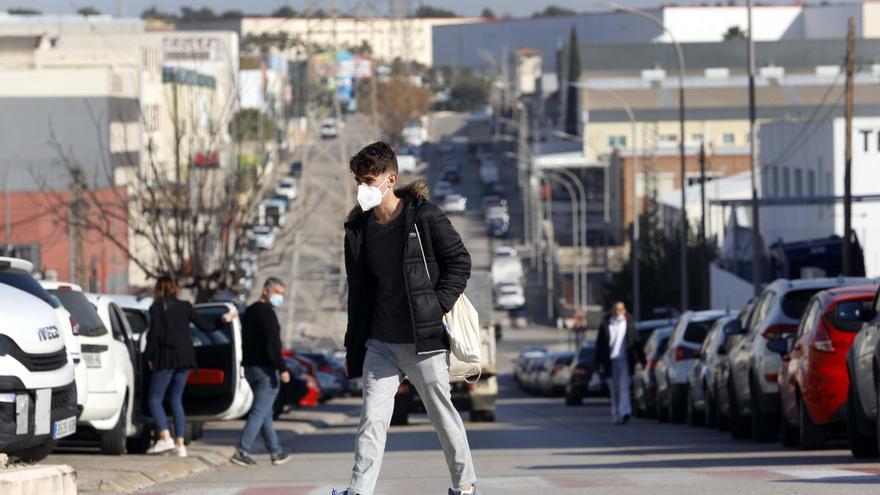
x: 410, y: 216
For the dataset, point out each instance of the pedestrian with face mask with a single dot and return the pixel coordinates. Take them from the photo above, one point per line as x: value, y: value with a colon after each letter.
x: 406, y: 267
x: 263, y: 368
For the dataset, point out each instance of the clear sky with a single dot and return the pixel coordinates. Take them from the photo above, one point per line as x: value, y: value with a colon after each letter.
x: 464, y: 7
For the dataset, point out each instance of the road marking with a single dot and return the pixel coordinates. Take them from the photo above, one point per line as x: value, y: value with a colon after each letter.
x: 820, y: 473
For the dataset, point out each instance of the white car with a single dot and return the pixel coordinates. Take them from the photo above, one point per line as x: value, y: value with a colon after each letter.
x: 674, y: 367
x: 454, y: 203
x: 497, y: 212
x: 110, y: 359
x: 509, y: 295
x: 505, y: 252
x: 507, y: 269
x: 263, y: 237
x: 407, y: 164
x: 288, y: 187
x: 442, y: 188
x: 329, y: 129
x: 137, y: 312
x: 37, y: 393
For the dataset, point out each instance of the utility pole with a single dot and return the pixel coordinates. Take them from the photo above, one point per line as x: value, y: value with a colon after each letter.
x: 847, y: 162
x: 704, y: 286
x: 757, y: 248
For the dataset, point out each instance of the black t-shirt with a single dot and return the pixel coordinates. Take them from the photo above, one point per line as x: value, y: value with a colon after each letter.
x: 391, y: 320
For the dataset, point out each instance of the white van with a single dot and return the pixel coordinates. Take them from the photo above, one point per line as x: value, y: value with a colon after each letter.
x: 37, y: 390
x: 110, y: 358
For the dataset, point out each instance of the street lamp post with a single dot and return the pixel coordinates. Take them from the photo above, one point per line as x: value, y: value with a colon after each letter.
x: 577, y: 277
x: 681, y: 104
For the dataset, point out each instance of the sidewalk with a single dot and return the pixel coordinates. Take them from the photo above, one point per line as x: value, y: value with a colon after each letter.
x: 96, y: 473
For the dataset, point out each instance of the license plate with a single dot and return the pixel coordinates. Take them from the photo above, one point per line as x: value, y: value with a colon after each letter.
x: 64, y: 427
x: 92, y: 359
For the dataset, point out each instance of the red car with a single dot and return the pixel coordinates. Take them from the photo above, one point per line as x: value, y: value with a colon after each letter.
x: 813, y: 382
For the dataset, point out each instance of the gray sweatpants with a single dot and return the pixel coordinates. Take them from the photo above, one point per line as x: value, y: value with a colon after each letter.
x: 385, y: 366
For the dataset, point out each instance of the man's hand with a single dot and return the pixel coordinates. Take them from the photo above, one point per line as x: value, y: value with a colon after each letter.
x: 228, y: 317
x: 285, y: 377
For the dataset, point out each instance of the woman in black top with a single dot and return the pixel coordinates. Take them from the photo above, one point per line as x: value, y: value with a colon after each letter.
x: 171, y: 355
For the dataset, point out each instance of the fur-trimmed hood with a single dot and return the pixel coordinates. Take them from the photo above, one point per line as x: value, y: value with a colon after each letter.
x: 417, y: 189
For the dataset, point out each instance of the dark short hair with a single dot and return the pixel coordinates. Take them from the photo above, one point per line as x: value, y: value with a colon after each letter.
x: 374, y: 159
x: 271, y: 282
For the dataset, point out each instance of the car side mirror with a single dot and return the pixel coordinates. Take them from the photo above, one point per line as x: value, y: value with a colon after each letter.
x: 733, y: 327
x: 851, y: 311
x: 779, y: 346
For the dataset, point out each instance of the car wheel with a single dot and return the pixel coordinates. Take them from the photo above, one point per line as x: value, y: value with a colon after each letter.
x: 661, y: 411
x: 36, y: 454
x: 789, y: 434
x: 709, y: 414
x: 720, y: 419
x: 694, y: 417
x: 763, y: 424
x: 739, y: 424
x: 113, y: 441
x: 812, y: 435
x: 862, y: 446
x: 573, y: 397
x: 677, y: 406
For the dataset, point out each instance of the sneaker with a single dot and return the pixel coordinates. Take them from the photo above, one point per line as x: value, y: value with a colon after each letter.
x: 161, y: 446
x: 180, y: 451
x: 242, y: 459
x: 279, y: 459
x: 456, y: 491
x: 625, y: 419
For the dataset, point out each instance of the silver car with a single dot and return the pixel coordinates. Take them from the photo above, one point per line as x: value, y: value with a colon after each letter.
x: 701, y: 403
x: 680, y: 356
x: 863, y: 368
x: 755, y: 404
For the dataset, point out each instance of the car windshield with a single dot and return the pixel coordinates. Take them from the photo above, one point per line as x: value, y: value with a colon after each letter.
x: 696, y: 331
x: 794, y: 303
x: 261, y: 230
x: 27, y: 283
x: 508, y: 289
x: 90, y: 323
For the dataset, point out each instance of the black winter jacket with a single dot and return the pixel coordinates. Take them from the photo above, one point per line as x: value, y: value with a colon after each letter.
x: 449, y: 264
x: 632, y: 346
x: 169, y: 344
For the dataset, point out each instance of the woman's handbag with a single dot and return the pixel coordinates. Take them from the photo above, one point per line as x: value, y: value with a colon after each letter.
x: 462, y: 324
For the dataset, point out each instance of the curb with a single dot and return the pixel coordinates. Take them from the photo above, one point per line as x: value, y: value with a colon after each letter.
x: 38, y: 480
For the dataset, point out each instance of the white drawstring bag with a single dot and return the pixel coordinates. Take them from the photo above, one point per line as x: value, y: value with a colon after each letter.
x: 462, y: 324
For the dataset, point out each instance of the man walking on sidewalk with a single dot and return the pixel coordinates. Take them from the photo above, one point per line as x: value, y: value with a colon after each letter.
x: 263, y: 369
x: 406, y: 266
x: 617, y: 352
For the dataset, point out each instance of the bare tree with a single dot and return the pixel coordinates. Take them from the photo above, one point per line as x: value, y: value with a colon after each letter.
x: 399, y: 103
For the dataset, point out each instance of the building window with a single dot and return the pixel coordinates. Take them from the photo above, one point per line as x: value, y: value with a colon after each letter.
x: 727, y: 138
x: 698, y: 137
x: 811, y: 182
x: 786, y: 183
x: 667, y: 139
x: 798, y: 182
x: 617, y: 142
x: 151, y: 118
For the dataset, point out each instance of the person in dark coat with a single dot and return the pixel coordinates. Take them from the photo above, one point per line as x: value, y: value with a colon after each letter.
x: 617, y: 352
x: 170, y: 355
x: 406, y: 267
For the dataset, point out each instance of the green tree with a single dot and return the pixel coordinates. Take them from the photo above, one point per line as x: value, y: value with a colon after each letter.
x: 285, y: 11
x: 189, y: 14
x: 554, y: 11
x: 154, y: 14
x: 250, y: 124
x: 572, y: 103
x: 232, y: 14
x: 430, y: 11
x: 468, y: 93
x: 734, y: 33
x: 487, y: 13
x: 87, y: 11
x: 23, y: 11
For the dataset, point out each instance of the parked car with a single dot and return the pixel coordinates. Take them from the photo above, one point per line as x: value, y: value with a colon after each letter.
x: 336, y: 381
x: 644, y: 382
x: 452, y: 173
x: 296, y: 169
x: 524, y: 359
x: 493, y: 200
x: 441, y: 189
x: 700, y: 398
x: 137, y: 312
x: 549, y: 380
x: 509, y: 296
x: 288, y: 187
x: 578, y: 375
x: 645, y: 328
x: 724, y: 396
x: 755, y: 368
x: 329, y: 129
x: 301, y: 391
x: 109, y: 412
x: 813, y: 383
x: 262, y: 237
x: 675, y: 365
x: 498, y: 227
x: 863, y: 372
x: 454, y: 203
x: 39, y: 376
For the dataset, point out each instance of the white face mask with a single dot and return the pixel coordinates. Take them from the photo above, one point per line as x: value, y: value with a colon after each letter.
x: 369, y: 197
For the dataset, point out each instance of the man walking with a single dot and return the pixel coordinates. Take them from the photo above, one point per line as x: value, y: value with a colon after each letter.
x: 263, y: 369
x: 406, y: 266
x: 617, y: 352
